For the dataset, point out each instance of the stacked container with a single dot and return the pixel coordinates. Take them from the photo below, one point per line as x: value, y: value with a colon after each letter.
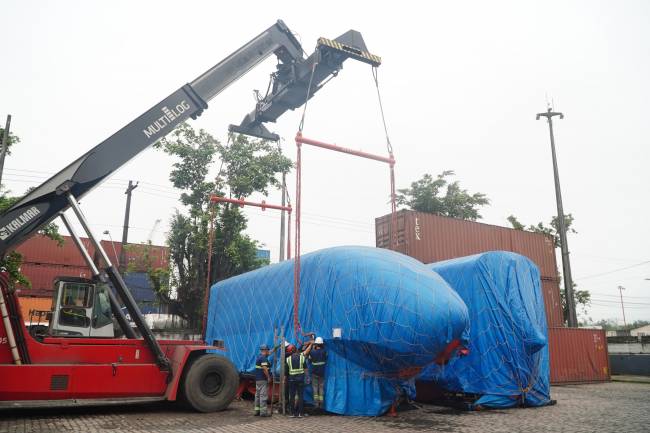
x: 432, y: 238
x: 44, y: 260
x: 576, y: 355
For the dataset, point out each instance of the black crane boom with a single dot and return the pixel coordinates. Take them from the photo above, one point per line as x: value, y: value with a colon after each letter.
x: 63, y: 190
x: 44, y: 203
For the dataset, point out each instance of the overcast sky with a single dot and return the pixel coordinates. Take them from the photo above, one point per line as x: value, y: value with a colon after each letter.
x: 461, y: 82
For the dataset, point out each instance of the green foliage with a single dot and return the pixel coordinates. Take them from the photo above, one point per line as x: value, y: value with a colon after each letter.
x: 251, y: 165
x: 246, y: 166
x: 195, y: 153
x: 613, y: 325
x: 13, y: 139
x: 145, y: 258
x: 582, y: 298
x: 551, y: 229
x: 426, y: 195
x: 515, y: 223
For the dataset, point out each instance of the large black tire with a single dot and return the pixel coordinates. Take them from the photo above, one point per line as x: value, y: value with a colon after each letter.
x: 210, y: 384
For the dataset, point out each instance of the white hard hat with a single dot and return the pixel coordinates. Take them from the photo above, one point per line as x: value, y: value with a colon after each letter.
x: 286, y: 344
x: 319, y: 340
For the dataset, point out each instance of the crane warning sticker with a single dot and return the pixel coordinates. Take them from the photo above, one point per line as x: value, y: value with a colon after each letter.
x: 17, y: 223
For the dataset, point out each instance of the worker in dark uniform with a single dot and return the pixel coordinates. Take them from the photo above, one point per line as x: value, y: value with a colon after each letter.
x: 318, y: 359
x: 296, y: 364
x: 262, y: 379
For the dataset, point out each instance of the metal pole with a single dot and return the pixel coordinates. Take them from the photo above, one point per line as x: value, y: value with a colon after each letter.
x: 276, y: 352
x: 11, y: 338
x: 566, y: 265
x: 5, y: 145
x: 208, y: 276
x: 283, y: 384
x: 620, y: 290
x: 282, y: 221
x: 125, y: 229
x: 296, y: 245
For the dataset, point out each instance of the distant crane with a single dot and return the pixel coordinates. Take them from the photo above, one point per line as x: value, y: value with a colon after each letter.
x: 153, y: 229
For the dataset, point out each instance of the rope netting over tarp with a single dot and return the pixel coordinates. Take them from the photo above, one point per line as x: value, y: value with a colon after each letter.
x: 508, y: 363
x: 383, y: 316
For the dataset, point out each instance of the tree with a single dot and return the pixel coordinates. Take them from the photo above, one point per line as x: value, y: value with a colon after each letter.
x: 144, y: 259
x: 13, y: 139
x: 613, y: 325
x: 247, y: 166
x: 551, y: 230
x: 425, y: 195
x: 582, y: 298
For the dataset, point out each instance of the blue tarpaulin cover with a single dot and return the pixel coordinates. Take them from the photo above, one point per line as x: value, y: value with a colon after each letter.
x: 381, y: 314
x: 508, y: 362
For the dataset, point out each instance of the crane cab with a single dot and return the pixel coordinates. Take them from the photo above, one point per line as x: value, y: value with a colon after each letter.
x: 80, y: 308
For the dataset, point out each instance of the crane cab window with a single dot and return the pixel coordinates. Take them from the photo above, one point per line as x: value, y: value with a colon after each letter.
x: 77, y: 295
x: 76, y: 299
x: 102, y: 314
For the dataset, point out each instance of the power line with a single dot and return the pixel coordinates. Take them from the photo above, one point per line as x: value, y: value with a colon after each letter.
x: 614, y: 270
x: 616, y: 296
x: 115, y: 179
x: 611, y: 301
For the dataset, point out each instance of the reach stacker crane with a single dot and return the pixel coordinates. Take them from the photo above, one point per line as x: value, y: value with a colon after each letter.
x: 69, y: 364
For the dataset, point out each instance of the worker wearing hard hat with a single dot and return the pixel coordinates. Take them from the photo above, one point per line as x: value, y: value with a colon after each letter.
x: 296, y: 363
x: 318, y: 359
x: 262, y: 379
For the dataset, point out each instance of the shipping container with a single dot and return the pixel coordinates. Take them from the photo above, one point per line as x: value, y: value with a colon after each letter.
x: 42, y: 277
x: 28, y: 304
x: 41, y: 250
x: 432, y: 238
x: 552, y: 302
x: 138, y: 256
x: 578, y: 355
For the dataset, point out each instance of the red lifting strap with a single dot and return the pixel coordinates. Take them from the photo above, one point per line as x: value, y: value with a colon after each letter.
x: 216, y: 199
x: 300, y: 140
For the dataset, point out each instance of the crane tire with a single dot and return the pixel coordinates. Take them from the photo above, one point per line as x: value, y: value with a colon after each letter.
x: 210, y: 383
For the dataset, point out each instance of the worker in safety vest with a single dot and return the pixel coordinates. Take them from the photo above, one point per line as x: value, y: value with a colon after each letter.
x: 318, y: 359
x: 296, y: 364
x: 288, y: 350
x: 262, y: 379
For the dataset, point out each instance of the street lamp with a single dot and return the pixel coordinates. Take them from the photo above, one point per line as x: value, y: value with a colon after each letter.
x: 106, y: 232
x: 566, y: 265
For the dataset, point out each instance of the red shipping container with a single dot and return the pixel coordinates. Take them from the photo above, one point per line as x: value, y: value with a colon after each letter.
x: 42, y: 250
x: 578, y: 355
x: 432, y: 238
x: 28, y: 304
x: 552, y: 302
x: 42, y: 276
x: 158, y: 256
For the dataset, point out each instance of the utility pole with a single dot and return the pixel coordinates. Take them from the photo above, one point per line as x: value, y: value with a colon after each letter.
x: 620, y: 290
x: 282, y: 224
x: 566, y: 265
x: 5, y: 145
x: 125, y: 229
